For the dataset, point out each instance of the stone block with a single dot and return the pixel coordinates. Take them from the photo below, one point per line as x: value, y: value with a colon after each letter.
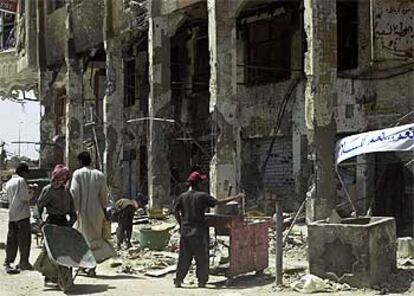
x: 357, y: 251
x: 406, y: 247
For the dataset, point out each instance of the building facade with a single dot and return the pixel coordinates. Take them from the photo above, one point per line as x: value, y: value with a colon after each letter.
x: 255, y: 93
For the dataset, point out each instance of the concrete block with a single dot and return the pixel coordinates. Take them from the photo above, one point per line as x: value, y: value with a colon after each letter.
x: 406, y: 247
x: 357, y: 251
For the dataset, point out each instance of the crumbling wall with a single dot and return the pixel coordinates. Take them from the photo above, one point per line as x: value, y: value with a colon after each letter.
x: 393, y: 29
x: 87, y: 22
x: 258, y: 110
x: 170, y: 6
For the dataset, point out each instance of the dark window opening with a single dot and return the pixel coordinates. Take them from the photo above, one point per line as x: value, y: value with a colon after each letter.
x: 129, y: 83
x: 7, y: 31
x: 144, y: 87
x: 54, y: 5
x: 347, y: 34
x: 202, y: 60
x: 268, y: 50
x: 59, y: 110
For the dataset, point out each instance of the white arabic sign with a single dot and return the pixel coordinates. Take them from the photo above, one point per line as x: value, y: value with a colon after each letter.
x: 400, y: 138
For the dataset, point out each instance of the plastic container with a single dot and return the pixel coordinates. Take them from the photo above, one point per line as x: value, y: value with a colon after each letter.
x: 154, y: 239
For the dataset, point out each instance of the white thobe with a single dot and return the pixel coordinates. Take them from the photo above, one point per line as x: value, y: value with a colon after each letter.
x: 90, y: 195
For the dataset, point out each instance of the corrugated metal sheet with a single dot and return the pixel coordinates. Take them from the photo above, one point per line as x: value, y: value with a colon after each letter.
x: 279, y: 173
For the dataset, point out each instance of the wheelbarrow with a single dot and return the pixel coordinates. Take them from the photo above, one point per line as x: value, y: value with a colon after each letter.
x: 68, y: 250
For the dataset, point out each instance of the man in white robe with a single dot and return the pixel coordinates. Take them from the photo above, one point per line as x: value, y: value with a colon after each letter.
x: 90, y: 195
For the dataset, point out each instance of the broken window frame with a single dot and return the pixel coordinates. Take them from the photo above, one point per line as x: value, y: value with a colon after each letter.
x: 130, y: 83
x: 267, y: 71
x: 7, y: 31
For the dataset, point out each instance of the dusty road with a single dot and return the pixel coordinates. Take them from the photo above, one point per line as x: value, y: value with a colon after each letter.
x: 108, y: 282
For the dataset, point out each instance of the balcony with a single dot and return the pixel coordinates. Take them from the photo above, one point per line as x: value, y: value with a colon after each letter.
x: 15, y: 74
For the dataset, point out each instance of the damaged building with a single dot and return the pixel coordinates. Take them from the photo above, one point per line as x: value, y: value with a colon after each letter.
x: 255, y: 93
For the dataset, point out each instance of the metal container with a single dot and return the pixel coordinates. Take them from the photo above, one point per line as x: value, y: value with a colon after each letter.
x: 228, y: 209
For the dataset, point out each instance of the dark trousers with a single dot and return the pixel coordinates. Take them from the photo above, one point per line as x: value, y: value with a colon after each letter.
x: 125, y: 220
x: 193, y: 247
x: 59, y: 220
x: 18, y: 237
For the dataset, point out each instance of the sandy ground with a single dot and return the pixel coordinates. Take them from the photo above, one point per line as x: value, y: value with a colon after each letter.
x: 108, y: 282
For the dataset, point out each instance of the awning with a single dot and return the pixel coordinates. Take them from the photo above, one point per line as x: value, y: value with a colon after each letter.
x: 400, y: 138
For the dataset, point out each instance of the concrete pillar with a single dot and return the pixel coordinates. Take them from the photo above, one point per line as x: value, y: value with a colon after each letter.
x: 224, y: 166
x: 159, y: 52
x: 74, y: 102
x: 365, y: 182
x: 74, y: 114
x: 320, y: 100
x: 47, y: 96
x: 113, y: 117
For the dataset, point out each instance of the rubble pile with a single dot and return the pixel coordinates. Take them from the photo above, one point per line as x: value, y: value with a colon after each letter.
x: 136, y: 260
x: 296, y: 242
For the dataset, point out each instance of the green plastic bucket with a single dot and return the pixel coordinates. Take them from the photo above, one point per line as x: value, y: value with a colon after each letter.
x: 155, y: 240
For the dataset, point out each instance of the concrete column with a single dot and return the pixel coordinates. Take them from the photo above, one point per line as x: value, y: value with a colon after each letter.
x: 46, y: 93
x: 320, y: 100
x: 74, y: 101
x: 365, y: 182
x: 113, y: 117
x: 159, y: 101
x: 47, y: 121
x: 224, y: 167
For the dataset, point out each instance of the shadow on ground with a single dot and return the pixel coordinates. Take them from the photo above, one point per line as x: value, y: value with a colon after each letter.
x: 245, y: 282
x: 82, y: 289
x: 118, y: 277
x: 399, y: 282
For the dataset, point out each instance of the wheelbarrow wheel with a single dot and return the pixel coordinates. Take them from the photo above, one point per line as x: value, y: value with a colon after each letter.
x: 65, y: 280
x: 229, y: 281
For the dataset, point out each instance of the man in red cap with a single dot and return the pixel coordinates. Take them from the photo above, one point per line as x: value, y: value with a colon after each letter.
x: 190, y: 208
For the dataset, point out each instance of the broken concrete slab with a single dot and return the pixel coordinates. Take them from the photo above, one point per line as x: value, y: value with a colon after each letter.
x: 405, y: 247
x: 161, y: 272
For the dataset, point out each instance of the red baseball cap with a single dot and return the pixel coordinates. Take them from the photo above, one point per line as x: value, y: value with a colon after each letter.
x: 196, y: 177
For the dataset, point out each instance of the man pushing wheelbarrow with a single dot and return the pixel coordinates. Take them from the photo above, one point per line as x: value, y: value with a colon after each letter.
x: 65, y: 248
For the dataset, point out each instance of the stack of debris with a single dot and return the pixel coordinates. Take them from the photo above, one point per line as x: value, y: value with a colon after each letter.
x: 151, y: 263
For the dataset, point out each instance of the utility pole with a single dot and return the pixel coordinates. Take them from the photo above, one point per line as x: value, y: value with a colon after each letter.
x: 20, y: 130
x: 279, y: 241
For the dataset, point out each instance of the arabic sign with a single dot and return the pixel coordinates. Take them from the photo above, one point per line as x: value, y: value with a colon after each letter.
x: 400, y: 138
x: 9, y: 6
x: 394, y: 28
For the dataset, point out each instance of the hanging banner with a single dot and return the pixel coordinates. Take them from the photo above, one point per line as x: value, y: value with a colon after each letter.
x: 400, y: 138
x: 9, y: 6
